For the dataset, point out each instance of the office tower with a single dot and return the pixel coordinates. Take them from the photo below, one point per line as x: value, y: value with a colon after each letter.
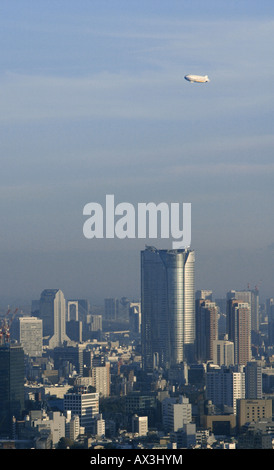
x: 111, y: 309
x: 253, y: 380
x: 135, y: 318
x: 223, y: 352
x: 178, y: 414
x: 224, y: 386
x: 28, y: 331
x: 12, y: 374
x: 270, y: 316
x: 84, y: 405
x: 53, y: 314
x: 206, y: 328
x: 238, y: 324
x: 168, y: 307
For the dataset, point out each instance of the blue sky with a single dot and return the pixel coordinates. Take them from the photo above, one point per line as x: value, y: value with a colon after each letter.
x: 94, y: 102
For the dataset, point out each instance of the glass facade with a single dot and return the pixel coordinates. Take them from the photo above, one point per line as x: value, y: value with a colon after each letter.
x: 168, y: 306
x: 11, y: 386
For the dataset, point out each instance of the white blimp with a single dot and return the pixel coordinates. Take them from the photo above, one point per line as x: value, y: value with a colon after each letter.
x: 197, y: 78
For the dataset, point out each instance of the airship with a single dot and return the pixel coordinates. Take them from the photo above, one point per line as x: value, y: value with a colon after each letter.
x: 197, y: 78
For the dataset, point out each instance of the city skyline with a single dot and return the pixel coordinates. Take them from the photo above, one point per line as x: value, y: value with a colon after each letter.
x: 94, y: 102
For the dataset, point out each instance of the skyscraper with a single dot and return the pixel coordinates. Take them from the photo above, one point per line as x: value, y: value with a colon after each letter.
x: 28, y: 331
x: 168, y: 307
x: 239, y: 331
x: 206, y: 328
x: 253, y: 380
x: 11, y: 386
x: 53, y: 314
x: 252, y: 297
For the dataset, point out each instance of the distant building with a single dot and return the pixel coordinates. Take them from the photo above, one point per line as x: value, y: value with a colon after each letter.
x: 84, y: 405
x: 98, y: 425
x: 252, y: 298
x: 28, y: 331
x: 95, y: 322
x: 206, y: 328
x: 253, y: 380
x: 12, y: 373
x: 203, y: 294
x: 249, y: 411
x: 239, y: 331
x: 111, y: 309
x: 135, y: 318
x: 140, y: 425
x: 223, y: 352
x: 73, y: 428
x: 224, y: 386
x: 72, y: 310
x: 168, y: 307
x: 179, y: 413
x: 69, y: 354
x: 53, y: 313
x: 74, y: 330
x: 100, y: 379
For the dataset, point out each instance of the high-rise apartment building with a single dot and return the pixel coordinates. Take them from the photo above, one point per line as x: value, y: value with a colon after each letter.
x: 53, y: 313
x: 252, y: 298
x: 28, y: 331
x: 253, y: 380
x: 206, y: 328
x: 12, y: 374
x: 239, y: 331
x: 168, y: 307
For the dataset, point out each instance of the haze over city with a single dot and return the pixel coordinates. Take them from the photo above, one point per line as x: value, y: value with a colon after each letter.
x: 94, y: 102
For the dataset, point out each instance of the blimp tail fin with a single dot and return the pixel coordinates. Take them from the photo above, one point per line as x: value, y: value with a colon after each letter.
x: 206, y: 77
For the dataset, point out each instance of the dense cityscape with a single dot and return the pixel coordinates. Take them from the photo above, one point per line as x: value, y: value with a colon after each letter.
x: 175, y: 369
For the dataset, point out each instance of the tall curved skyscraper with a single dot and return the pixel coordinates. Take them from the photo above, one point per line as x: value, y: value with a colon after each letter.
x: 168, y: 307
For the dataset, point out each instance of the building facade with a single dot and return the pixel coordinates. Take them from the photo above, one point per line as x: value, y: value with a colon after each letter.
x: 84, y: 405
x: 53, y: 313
x: 224, y: 386
x: 12, y: 373
x: 28, y: 331
x: 239, y: 330
x: 206, y: 328
x: 168, y: 307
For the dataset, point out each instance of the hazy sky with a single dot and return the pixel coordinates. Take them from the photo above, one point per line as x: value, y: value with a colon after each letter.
x: 94, y: 102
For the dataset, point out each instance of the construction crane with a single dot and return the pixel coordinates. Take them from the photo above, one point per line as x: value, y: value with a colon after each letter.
x: 5, y: 327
